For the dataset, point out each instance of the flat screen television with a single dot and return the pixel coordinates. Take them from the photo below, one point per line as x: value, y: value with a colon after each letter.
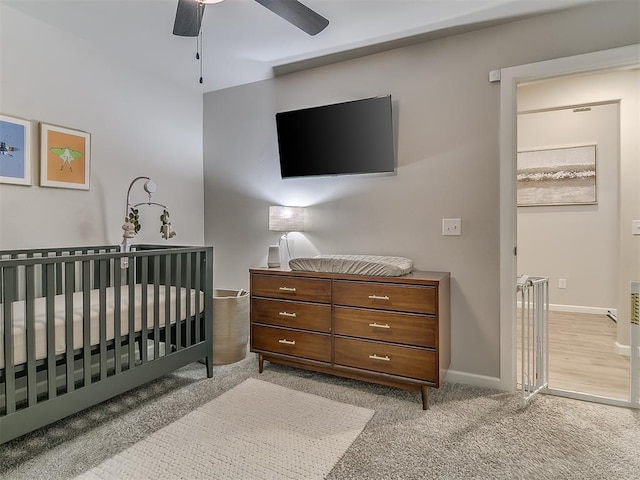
x: 346, y: 138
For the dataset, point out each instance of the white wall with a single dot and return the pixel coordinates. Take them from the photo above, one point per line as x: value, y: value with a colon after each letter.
x: 138, y: 125
x: 447, y: 116
x: 578, y: 243
x: 625, y: 87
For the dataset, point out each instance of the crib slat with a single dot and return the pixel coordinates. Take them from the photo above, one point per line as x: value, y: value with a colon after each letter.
x: 102, y: 317
x: 167, y: 304
x: 156, y: 306
x: 208, y: 308
x: 59, y: 283
x: 86, y: 321
x: 131, y: 313
x: 69, y: 287
x: 187, y: 286
x: 42, y: 277
x: 49, y: 272
x: 178, y: 277
x: 96, y: 271
x: 117, y: 330
x: 30, y: 324
x: 144, y: 281
x: 9, y: 273
x: 197, y: 287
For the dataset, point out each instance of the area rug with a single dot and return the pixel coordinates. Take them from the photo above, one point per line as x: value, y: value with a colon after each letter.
x: 256, y: 430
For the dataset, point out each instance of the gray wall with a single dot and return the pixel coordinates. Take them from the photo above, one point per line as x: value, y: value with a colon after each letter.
x: 447, y: 116
x: 139, y: 127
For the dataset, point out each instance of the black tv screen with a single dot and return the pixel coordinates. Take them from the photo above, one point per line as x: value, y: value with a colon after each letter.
x: 344, y: 138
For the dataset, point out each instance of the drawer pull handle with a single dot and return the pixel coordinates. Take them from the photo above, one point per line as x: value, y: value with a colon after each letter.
x: 376, y: 357
x: 378, y: 297
x: 287, y: 314
x: 287, y: 342
x: 288, y: 289
x: 377, y: 325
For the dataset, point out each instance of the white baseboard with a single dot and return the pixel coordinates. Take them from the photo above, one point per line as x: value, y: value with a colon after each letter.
x: 581, y: 309
x: 577, y: 309
x: 624, y: 349
x: 473, y: 379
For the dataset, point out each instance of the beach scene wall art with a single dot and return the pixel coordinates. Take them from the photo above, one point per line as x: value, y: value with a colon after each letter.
x: 557, y: 176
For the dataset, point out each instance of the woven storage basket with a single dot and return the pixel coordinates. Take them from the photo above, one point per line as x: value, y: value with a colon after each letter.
x: 230, y: 326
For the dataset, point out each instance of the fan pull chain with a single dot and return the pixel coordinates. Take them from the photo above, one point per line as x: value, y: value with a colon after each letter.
x: 199, y: 38
x: 199, y: 54
x: 199, y: 57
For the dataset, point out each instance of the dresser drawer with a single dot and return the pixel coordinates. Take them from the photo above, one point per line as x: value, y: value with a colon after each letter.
x: 285, y: 313
x: 407, y: 328
x: 380, y: 357
x: 279, y: 286
x: 382, y: 296
x: 315, y: 346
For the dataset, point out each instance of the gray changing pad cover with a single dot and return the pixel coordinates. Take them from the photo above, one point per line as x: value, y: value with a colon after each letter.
x: 375, y: 265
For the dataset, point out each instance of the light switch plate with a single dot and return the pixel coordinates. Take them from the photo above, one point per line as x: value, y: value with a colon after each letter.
x: 451, y: 226
x: 635, y: 227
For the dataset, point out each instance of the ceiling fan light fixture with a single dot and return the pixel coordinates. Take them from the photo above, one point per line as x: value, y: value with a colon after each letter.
x: 190, y: 12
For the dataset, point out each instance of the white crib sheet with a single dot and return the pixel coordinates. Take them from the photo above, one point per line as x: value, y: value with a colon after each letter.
x: 19, y: 316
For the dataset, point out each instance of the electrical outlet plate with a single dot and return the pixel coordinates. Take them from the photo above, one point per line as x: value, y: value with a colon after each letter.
x: 451, y: 226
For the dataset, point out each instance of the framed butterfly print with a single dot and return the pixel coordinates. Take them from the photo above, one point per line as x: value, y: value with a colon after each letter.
x: 65, y: 157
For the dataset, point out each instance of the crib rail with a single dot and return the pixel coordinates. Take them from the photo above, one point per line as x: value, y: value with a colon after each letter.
x: 18, y: 259
x: 169, y: 291
x: 533, y: 335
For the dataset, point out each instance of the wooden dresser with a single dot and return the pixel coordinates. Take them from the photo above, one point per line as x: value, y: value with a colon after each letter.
x: 389, y: 330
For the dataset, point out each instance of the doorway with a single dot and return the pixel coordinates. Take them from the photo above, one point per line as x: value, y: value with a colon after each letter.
x: 567, y: 229
x: 621, y: 58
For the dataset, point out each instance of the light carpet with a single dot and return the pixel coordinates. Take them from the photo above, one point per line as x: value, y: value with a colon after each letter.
x: 256, y: 430
x: 468, y: 433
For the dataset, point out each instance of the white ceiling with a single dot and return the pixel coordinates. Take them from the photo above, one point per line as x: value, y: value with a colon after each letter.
x: 243, y: 41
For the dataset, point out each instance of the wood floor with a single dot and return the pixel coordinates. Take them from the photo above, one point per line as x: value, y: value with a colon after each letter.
x: 582, y: 357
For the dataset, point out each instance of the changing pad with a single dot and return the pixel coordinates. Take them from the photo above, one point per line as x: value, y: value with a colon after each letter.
x: 375, y: 265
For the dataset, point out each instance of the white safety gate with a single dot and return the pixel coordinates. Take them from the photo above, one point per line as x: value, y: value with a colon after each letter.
x: 533, y: 335
x: 634, y: 351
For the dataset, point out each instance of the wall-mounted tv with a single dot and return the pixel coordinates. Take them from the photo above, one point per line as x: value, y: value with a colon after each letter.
x: 340, y: 139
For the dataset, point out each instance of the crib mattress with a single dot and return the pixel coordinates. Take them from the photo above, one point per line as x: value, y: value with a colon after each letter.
x: 376, y: 265
x: 187, y: 297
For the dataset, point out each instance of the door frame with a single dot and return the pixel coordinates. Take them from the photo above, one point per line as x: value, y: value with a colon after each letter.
x: 622, y: 57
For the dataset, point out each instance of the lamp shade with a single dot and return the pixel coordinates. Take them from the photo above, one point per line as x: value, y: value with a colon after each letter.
x: 286, y: 219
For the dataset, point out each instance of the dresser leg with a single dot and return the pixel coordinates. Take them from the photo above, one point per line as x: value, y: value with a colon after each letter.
x: 260, y: 363
x: 425, y: 397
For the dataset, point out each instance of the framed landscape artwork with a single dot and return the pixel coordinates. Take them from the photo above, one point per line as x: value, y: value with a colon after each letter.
x: 558, y: 176
x: 15, y: 150
x: 64, y: 157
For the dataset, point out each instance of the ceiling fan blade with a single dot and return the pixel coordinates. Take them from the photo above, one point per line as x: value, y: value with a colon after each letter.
x: 297, y: 14
x: 188, y: 18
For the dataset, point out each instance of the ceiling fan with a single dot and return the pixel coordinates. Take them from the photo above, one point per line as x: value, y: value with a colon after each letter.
x: 189, y: 16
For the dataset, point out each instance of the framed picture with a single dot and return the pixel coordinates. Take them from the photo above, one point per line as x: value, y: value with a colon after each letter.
x: 558, y: 176
x: 65, y: 157
x: 15, y: 150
